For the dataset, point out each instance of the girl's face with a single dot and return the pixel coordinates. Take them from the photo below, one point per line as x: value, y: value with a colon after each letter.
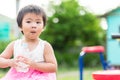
x: 32, y: 25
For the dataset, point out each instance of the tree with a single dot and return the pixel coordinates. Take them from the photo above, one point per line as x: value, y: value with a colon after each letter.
x: 72, y: 25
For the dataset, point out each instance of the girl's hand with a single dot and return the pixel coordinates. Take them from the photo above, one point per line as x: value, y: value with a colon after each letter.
x: 13, y: 62
x: 24, y: 60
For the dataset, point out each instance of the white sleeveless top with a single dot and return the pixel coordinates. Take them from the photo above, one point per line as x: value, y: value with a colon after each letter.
x: 36, y: 54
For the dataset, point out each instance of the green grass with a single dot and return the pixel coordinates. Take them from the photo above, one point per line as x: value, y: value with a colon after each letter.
x: 73, y: 74
x: 70, y: 73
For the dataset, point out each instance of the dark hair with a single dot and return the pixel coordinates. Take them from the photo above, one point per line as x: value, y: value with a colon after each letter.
x: 30, y: 9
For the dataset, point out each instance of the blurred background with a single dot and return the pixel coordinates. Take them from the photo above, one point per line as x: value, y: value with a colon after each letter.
x: 71, y: 25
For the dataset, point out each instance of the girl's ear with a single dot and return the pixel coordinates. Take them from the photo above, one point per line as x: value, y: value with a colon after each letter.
x: 20, y: 29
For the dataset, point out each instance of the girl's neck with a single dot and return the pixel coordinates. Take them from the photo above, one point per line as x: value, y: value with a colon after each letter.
x: 31, y: 40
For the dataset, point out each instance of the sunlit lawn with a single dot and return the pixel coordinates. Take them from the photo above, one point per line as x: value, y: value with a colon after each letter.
x: 70, y: 74
x: 73, y: 74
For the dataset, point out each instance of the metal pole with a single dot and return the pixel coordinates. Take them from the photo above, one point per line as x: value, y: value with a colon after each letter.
x: 17, y: 5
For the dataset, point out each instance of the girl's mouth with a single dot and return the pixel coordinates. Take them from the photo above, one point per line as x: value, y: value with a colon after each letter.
x: 33, y: 32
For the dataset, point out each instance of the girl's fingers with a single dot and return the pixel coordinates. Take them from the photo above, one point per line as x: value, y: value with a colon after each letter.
x: 22, y: 59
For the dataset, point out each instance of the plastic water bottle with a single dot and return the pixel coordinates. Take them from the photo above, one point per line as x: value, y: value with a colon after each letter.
x: 22, y: 67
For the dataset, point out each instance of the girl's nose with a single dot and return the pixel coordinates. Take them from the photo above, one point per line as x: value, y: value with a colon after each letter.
x: 34, y: 25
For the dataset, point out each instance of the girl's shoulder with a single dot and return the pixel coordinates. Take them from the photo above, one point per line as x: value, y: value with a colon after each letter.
x: 17, y: 42
x: 46, y: 43
x: 12, y: 43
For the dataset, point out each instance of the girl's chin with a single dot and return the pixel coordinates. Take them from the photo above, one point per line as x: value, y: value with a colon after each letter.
x: 33, y: 38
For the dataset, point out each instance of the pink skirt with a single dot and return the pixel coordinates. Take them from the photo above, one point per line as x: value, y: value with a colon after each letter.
x: 30, y: 75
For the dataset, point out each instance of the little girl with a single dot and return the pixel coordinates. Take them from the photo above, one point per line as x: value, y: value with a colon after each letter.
x: 33, y: 58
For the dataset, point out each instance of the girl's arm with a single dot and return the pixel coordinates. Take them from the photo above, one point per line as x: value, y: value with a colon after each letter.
x: 5, y: 56
x: 50, y: 64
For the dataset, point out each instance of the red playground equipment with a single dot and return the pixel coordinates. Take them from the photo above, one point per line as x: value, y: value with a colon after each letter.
x: 91, y: 49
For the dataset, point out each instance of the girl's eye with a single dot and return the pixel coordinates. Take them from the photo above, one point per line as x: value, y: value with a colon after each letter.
x: 28, y: 21
x: 38, y: 22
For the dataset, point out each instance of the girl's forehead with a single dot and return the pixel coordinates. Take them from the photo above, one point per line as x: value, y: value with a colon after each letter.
x: 33, y: 15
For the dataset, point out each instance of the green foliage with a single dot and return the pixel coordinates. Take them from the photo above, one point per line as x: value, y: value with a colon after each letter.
x: 69, y: 29
x: 3, y: 45
x: 72, y: 26
x: 92, y: 60
x: 67, y: 60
